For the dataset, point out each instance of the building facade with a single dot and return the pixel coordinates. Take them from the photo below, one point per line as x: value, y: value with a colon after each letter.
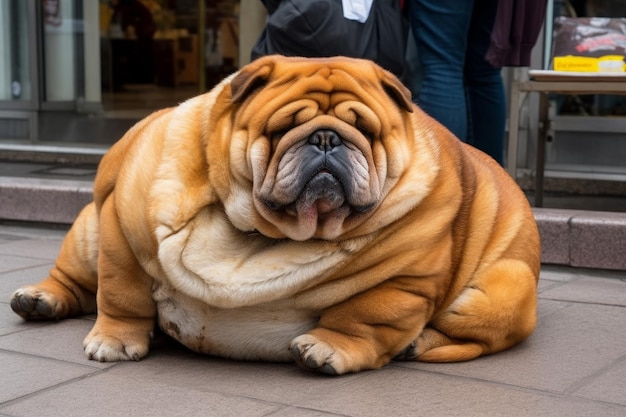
x: 75, y: 76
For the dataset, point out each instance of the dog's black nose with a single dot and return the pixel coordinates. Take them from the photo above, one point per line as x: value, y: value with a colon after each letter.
x: 325, y: 139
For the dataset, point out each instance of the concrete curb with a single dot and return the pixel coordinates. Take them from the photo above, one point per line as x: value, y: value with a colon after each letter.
x: 43, y: 200
x: 587, y: 239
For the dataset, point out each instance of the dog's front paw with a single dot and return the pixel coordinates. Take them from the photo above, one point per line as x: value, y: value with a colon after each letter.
x: 113, y: 340
x: 32, y: 304
x: 312, y: 353
x: 111, y: 349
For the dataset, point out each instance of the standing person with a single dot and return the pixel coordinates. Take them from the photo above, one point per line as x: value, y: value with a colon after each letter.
x: 374, y: 30
x: 462, y: 47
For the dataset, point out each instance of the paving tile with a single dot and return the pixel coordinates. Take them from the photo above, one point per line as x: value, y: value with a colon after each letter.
x: 11, y: 281
x: 612, y: 376
x: 301, y: 412
x: 7, y: 238
x: 32, y: 231
x: 24, y: 374
x: 547, y: 307
x: 11, y: 322
x: 282, y: 383
x: 397, y: 391
x: 608, y: 291
x: 62, y: 340
x: 32, y: 248
x: 546, y: 284
x: 551, y: 277
x: 568, y: 345
x: 156, y: 386
x: 12, y: 262
x: 119, y: 392
x: 558, y: 273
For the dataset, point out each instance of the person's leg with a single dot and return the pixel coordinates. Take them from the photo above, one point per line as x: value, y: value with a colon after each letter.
x: 440, y: 28
x: 484, y: 85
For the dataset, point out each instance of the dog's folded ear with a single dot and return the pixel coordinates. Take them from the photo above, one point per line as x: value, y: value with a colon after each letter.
x: 396, y: 90
x: 250, y: 78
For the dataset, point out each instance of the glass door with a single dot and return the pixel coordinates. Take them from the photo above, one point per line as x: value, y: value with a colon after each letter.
x: 108, y: 63
x: 15, y: 77
x: 18, y: 71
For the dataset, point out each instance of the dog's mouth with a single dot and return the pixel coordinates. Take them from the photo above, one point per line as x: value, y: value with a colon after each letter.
x: 321, y: 195
x: 324, y: 195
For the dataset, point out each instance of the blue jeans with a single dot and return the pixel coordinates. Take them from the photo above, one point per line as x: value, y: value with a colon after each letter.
x: 459, y: 88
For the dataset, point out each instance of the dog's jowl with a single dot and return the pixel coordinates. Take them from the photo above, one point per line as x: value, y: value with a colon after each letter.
x: 304, y: 209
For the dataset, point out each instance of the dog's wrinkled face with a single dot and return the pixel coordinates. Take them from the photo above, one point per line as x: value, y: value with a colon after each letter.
x: 315, y: 138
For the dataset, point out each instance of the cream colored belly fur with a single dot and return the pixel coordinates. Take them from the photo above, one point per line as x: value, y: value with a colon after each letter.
x: 233, y: 294
x: 261, y: 332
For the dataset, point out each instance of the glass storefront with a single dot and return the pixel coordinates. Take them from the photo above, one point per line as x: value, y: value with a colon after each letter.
x: 81, y: 72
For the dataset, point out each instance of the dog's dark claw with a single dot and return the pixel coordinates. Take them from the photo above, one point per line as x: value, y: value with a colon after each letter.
x: 328, y: 369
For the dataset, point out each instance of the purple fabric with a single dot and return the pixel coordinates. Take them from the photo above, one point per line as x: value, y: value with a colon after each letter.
x: 515, y: 31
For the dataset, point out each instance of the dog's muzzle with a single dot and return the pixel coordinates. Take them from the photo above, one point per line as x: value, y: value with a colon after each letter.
x: 325, y: 177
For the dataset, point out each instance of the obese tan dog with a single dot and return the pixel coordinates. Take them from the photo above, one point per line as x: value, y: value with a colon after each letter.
x: 304, y: 209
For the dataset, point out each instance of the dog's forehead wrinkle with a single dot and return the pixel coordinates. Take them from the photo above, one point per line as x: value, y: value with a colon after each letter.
x: 328, y: 80
x: 325, y: 85
x: 324, y: 71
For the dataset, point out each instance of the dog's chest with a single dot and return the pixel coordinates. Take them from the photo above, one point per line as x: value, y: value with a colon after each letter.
x: 211, y: 261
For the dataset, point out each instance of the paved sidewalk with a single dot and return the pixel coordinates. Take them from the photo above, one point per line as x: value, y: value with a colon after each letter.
x: 573, y: 365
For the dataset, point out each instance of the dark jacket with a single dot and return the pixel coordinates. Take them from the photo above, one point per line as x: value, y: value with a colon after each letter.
x: 515, y: 31
x: 317, y: 28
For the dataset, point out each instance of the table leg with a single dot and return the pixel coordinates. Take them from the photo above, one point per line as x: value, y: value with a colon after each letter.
x: 514, y: 108
x: 544, y: 126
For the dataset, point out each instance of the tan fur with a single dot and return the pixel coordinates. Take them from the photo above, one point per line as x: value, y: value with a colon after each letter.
x: 201, y: 224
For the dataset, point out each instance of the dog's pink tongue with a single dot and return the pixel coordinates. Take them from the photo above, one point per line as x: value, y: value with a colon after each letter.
x: 321, y: 195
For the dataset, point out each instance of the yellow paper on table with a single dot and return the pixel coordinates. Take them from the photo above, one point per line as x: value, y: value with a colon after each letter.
x: 608, y: 63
